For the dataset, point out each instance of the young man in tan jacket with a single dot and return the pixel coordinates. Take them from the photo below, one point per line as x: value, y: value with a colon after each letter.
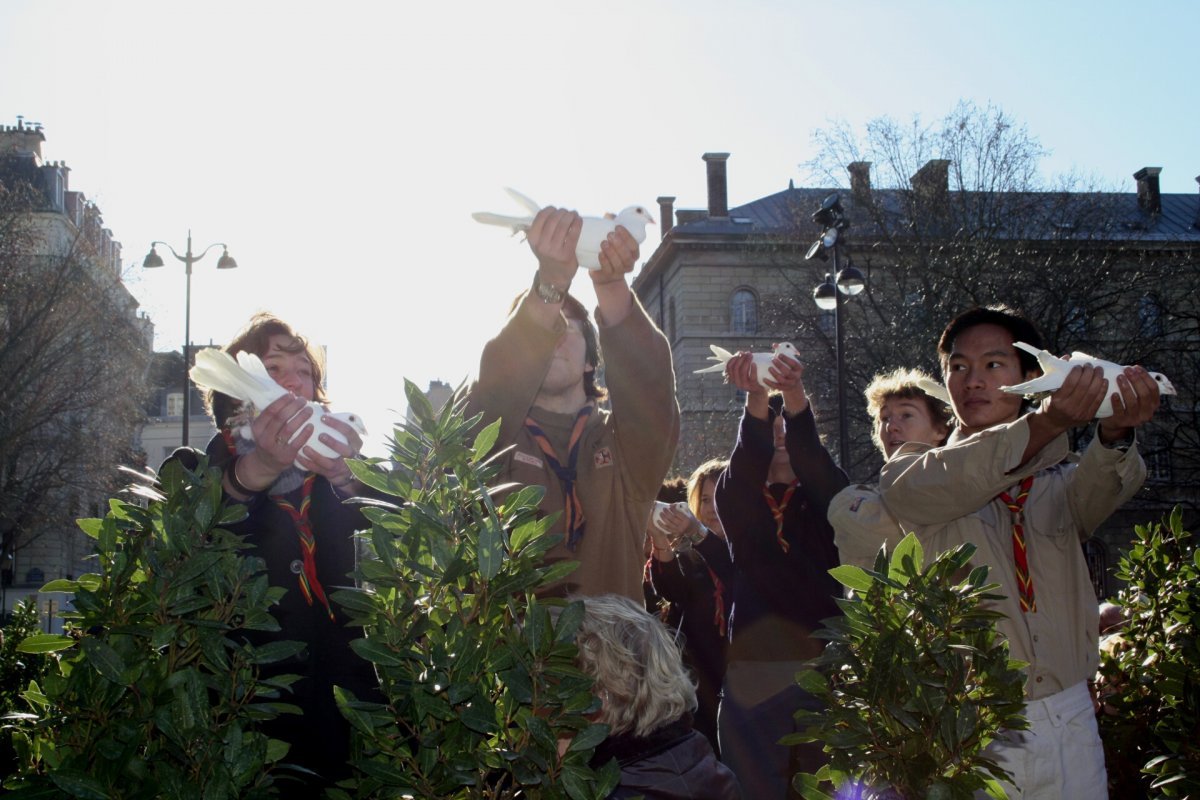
x: 1007, y: 482
x: 601, y: 468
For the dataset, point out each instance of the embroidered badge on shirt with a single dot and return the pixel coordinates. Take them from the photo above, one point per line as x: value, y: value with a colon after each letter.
x: 525, y: 458
x: 854, y: 505
x: 603, y: 457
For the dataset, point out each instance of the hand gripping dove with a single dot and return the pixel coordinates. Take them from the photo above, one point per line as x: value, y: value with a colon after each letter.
x: 246, y: 379
x: 1054, y: 372
x: 762, y: 361
x: 595, y: 229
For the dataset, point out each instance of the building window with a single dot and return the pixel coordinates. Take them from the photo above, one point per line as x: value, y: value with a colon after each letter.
x: 671, y: 319
x: 175, y: 404
x: 1157, y: 453
x: 1075, y: 322
x: 1150, y: 324
x: 743, y: 312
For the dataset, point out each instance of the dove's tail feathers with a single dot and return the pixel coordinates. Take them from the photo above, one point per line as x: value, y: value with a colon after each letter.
x: 719, y: 353
x: 530, y: 205
x: 714, y: 368
x: 516, y: 223
x: 216, y: 370
x: 934, y: 389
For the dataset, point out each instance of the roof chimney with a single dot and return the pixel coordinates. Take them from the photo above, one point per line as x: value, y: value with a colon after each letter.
x: 718, y: 196
x: 933, y: 178
x: 1149, y: 199
x: 860, y: 181
x: 666, y: 213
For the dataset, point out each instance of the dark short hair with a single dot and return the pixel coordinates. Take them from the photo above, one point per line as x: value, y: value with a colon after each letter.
x: 256, y: 338
x: 1011, y: 320
x: 573, y: 309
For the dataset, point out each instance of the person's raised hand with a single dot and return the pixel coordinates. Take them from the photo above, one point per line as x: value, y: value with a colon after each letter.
x: 618, y: 255
x: 334, y: 469
x: 787, y: 376
x: 1134, y: 404
x: 552, y: 238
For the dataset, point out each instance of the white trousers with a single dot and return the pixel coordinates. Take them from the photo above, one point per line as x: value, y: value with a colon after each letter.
x: 1060, y: 757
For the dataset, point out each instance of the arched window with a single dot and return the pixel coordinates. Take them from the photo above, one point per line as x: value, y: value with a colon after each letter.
x: 743, y: 312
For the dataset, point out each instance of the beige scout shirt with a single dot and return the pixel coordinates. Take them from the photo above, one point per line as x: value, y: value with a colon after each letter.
x: 623, y: 456
x: 862, y: 524
x: 949, y: 494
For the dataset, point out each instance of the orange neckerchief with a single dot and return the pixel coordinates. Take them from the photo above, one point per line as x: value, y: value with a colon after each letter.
x: 572, y: 508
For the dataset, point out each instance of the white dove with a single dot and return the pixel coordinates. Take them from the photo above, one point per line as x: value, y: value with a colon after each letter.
x: 762, y: 361
x: 246, y: 379
x: 1055, y: 369
x: 595, y: 229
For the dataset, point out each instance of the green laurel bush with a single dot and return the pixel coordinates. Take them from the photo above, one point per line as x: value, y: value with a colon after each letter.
x: 1150, y: 674
x: 915, y: 680
x: 155, y: 691
x: 478, y: 675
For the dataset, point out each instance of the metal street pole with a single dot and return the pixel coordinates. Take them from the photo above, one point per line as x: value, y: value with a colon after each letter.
x: 152, y: 261
x: 843, y: 435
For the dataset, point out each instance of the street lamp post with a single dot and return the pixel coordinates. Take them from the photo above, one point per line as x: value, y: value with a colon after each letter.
x: 828, y: 297
x: 153, y: 260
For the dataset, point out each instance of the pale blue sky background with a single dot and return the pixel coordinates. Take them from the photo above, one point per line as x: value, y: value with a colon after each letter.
x: 340, y: 148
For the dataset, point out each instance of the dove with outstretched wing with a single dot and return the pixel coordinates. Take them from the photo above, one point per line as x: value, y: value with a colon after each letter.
x: 595, y: 229
x: 246, y: 379
x: 762, y: 361
x: 1055, y: 369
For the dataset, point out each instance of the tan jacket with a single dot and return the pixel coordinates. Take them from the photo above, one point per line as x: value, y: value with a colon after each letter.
x: 949, y: 495
x: 862, y: 524
x: 624, y: 454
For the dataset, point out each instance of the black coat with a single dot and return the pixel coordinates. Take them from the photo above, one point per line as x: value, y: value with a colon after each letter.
x: 672, y: 763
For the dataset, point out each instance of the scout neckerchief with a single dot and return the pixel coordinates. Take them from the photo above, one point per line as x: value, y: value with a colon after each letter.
x: 1020, y: 557
x: 777, y: 509
x: 719, y: 602
x: 309, y: 583
x: 572, y: 508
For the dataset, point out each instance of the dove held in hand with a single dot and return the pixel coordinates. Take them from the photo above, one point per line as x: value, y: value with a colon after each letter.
x: 762, y: 361
x: 1055, y: 369
x: 246, y: 379
x: 595, y: 229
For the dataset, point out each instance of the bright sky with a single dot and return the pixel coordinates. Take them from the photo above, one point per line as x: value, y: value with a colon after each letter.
x: 339, y: 149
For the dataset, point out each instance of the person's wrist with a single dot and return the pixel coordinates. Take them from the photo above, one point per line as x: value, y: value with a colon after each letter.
x: 231, y: 473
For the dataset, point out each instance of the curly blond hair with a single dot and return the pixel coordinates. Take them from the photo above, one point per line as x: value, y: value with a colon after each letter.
x: 638, y: 669
x: 903, y: 383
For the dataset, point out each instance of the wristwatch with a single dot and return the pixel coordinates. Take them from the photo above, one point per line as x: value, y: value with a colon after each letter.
x: 546, y: 291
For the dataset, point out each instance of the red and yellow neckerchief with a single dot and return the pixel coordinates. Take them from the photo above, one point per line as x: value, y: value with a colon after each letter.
x: 777, y: 509
x: 310, y: 584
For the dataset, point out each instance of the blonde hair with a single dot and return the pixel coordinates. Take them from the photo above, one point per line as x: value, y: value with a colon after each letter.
x: 638, y: 669
x: 903, y: 383
x: 710, y: 469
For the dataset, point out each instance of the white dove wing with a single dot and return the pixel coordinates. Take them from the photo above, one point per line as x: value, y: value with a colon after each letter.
x: 216, y: 370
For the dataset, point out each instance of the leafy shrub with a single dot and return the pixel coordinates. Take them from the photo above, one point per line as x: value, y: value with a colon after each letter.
x: 156, y: 692
x: 17, y: 669
x: 478, y: 675
x: 1150, y: 683
x: 915, y: 679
